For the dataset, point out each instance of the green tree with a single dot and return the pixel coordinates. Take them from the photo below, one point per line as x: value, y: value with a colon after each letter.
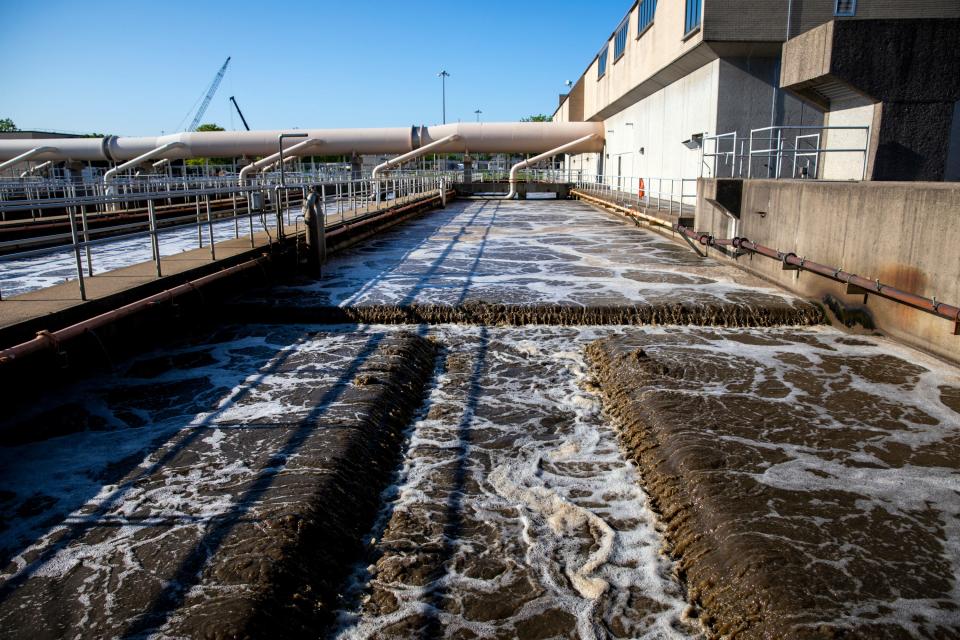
x: 6, y: 124
x: 208, y: 126
x: 540, y: 117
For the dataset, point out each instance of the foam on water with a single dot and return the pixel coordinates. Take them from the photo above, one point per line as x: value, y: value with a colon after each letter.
x: 524, y: 252
x: 514, y: 505
x: 861, y: 422
x: 546, y: 490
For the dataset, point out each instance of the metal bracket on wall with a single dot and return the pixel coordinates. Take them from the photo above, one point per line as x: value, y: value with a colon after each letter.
x: 854, y: 290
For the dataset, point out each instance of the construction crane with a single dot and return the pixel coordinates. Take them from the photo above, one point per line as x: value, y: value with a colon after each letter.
x: 207, y: 98
x: 237, y: 107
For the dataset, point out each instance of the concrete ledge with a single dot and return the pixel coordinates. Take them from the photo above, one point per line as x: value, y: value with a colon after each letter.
x: 633, y: 208
x: 904, y: 234
x: 769, y: 313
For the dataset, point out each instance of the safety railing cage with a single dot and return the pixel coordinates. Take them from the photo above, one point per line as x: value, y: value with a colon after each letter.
x: 788, y: 152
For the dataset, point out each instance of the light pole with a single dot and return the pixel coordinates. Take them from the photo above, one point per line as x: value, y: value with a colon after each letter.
x: 478, y: 112
x: 443, y: 80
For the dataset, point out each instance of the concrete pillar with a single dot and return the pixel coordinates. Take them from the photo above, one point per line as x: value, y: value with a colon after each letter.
x: 467, y: 168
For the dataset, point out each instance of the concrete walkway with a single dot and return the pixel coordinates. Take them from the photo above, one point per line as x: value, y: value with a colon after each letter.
x: 35, y: 305
x: 43, y: 302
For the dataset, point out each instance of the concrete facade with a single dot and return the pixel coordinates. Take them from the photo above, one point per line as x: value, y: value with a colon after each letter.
x: 897, y: 76
x: 724, y: 77
x: 902, y: 233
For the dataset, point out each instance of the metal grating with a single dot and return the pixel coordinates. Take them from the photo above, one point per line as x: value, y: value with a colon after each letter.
x: 692, y: 17
x: 620, y: 40
x: 645, y: 14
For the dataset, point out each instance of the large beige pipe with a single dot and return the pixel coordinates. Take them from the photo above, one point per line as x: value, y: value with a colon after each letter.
x: 480, y: 137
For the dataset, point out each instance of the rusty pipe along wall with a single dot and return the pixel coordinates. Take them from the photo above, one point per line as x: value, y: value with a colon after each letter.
x: 861, y: 284
x: 480, y: 137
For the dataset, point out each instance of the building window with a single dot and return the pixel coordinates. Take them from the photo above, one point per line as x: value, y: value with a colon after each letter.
x: 620, y: 39
x: 645, y: 15
x: 602, y: 62
x: 692, y: 19
x: 845, y: 8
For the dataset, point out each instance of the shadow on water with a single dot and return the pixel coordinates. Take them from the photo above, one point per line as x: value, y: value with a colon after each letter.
x: 191, y: 568
x: 426, y: 276
x: 78, y: 526
x: 454, y: 506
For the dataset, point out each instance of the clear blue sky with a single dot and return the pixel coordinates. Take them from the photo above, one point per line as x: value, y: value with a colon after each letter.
x: 136, y: 68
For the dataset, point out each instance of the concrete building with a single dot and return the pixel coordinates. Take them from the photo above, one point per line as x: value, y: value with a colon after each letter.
x: 690, y: 88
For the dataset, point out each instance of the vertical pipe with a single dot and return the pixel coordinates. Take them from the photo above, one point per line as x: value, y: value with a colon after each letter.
x: 213, y: 251
x: 199, y: 226
x: 76, y: 251
x: 250, y: 217
x: 86, y: 238
x: 154, y: 241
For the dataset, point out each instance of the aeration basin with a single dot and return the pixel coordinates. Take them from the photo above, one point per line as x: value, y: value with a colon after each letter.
x: 524, y: 419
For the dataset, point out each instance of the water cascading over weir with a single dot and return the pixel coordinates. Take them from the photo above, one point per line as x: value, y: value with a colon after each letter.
x: 494, y: 418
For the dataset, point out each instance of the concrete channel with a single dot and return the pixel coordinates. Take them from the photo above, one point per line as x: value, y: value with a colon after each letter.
x: 498, y: 419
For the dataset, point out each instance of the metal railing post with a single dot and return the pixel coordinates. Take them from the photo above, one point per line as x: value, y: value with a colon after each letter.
x: 154, y: 240
x: 213, y: 251
x: 236, y: 218
x: 199, y: 226
x: 86, y: 238
x: 72, y: 214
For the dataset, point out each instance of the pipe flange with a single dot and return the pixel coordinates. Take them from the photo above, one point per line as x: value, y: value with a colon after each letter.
x: 105, y: 143
x: 786, y: 256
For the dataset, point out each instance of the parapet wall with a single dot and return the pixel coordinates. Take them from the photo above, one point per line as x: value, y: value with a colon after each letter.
x: 905, y: 234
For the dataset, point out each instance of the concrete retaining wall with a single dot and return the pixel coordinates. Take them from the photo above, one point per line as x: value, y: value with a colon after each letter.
x: 904, y: 234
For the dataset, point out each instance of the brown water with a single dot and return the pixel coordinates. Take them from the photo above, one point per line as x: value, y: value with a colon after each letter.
x: 515, y: 514
x: 520, y: 508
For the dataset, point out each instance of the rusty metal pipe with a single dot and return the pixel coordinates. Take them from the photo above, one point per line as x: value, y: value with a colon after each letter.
x: 51, y: 340
x: 871, y: 287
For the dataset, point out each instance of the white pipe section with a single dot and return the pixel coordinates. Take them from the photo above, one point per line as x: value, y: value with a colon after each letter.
x: 161, y: 162
x: 479, y: 137
x: 272, y: 158
x: 26, y: 156
x: 416, y: 153
x: 42, y: 165
x: 286, y: 159
x: 153, y: 153
x: 543, y: 156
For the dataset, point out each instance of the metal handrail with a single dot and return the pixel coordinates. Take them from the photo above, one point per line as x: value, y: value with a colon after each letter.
x: 337, y: 200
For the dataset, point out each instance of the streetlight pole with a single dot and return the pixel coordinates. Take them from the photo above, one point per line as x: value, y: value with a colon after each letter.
x: 443, y: 79
x: 478, y: 112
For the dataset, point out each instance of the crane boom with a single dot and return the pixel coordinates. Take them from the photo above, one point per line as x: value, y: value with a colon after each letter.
x: 237, y: 107
x: 207, y: 98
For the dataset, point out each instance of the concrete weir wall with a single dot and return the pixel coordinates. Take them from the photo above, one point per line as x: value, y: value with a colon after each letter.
x: 904, y: 234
